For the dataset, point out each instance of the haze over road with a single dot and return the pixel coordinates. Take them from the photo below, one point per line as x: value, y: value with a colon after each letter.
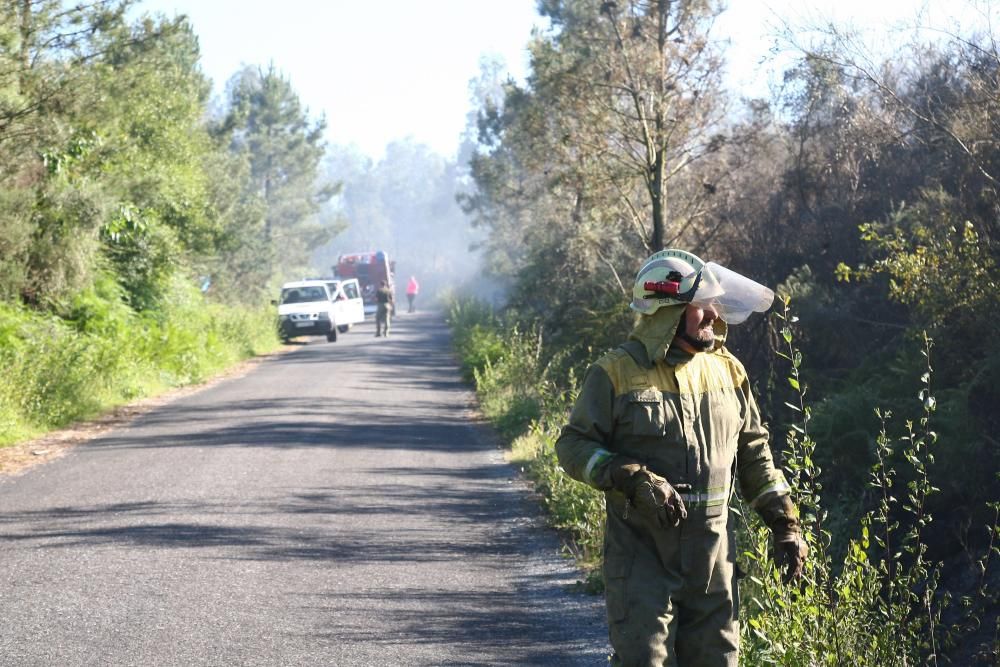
x: 336, y: 506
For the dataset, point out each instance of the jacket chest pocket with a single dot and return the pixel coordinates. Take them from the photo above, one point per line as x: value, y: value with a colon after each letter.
x: 643, y: 413
x: 722, y: 412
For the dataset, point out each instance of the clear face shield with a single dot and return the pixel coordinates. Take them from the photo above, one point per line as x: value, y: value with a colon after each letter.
x: 733, y: 296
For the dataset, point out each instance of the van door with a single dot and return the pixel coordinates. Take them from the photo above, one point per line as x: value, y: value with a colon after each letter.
x: 354, y: 306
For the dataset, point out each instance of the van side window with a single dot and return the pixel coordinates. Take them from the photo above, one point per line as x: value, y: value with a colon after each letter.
x: 351, y: 290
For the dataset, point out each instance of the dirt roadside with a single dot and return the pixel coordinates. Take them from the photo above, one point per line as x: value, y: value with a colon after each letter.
x: 17, y: 458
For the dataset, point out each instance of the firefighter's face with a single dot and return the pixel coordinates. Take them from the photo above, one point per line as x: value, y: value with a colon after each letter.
x: 698, y: 321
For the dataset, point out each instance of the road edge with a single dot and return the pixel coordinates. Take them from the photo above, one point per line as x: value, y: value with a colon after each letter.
x: 18, y: 458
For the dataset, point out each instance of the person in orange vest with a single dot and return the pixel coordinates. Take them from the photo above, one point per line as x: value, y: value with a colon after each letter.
x: 412, y: 288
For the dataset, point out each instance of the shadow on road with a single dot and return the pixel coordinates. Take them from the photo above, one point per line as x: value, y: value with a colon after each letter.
x: 300, y: 423
x: 340, y: 526
x: 351, y: 480
x: 477, y: 618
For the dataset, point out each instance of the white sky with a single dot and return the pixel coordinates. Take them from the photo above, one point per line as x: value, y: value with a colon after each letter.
x: 388, y: 69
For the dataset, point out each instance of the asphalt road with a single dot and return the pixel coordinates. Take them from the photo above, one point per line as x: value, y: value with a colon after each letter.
x: 336, y: 506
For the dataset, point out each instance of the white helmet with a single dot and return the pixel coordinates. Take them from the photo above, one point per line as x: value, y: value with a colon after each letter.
x: 673, y: 277
x: 667, y: 278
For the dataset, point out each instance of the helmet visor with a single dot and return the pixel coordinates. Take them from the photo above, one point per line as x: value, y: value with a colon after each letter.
x: 734, y: 296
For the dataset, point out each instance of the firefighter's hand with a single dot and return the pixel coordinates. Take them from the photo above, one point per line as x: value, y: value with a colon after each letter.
x: 648, y: 492
x: 790, y: 553
x: 790, y: 548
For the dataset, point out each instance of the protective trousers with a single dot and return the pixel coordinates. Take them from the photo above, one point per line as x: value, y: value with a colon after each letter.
x: 383, y: 317
x: 672, y: 595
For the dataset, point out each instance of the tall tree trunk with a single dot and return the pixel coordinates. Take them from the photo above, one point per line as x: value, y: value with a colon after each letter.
x: 658, y: 189
x: 25, y: 46
x: 656, y: 196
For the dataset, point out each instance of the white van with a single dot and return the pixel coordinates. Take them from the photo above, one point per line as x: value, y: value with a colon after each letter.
x: 319, y: 308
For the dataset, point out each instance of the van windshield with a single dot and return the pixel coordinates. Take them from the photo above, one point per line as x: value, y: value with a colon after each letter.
x: 302, y: 294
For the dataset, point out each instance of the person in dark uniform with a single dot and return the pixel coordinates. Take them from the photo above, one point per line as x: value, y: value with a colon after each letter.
x: 386, y: 306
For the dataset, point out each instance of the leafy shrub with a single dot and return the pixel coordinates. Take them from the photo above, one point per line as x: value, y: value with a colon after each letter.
x: 505, y: 363
x: 879, y: 603
x: 54, y: 370
x: 573, y: 507
x: 476, y: 335
x: 528, y: 406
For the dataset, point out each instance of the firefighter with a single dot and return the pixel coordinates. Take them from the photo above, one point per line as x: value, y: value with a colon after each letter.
x: 386, y: 306
x: 666, y: 426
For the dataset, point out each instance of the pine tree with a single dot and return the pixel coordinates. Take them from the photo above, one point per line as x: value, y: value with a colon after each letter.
x: 269, y: 127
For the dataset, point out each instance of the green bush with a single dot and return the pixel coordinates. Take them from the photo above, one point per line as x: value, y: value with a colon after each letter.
x: 573, y: 507
x: 476, y: 335
x: 54, y: 370
x: 875, y: 601
x: 505, y: 364
x: 50, y: 373
x: 528, y: 407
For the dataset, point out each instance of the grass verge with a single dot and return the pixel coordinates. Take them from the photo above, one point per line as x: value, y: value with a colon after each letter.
x: 99, y: 354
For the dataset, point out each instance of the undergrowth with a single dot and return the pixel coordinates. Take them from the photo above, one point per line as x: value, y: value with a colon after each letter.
x: 98, y: 353
x: 875, y: 600
x: 521, y: 398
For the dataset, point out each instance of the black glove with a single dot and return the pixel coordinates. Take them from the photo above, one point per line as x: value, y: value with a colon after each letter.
x: 646, y: 491
x: 790, y: 548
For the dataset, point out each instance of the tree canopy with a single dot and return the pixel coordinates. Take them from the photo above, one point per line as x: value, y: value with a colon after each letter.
x: 110, y: 160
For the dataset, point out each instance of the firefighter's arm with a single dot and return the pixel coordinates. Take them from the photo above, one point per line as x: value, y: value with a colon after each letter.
x: 760, y: 481
x: 765, y: 487
x: 582, y: 445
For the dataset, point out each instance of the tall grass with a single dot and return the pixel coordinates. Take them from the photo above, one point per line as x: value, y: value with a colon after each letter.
x: 101, y: 353
x: 517, y: 391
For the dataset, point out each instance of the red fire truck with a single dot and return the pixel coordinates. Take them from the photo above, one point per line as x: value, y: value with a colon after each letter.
x: 370, y: 268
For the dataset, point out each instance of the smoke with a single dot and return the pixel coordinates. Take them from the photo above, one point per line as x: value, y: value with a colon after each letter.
x: 405, y: 205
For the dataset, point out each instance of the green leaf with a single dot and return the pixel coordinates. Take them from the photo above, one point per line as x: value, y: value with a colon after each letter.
x: 794, y: 383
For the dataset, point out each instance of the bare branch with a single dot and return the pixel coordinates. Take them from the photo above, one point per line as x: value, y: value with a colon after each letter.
x: 614, y: 272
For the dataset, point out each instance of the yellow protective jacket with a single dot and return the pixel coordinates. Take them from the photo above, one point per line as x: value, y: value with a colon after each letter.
x: 691, y: 419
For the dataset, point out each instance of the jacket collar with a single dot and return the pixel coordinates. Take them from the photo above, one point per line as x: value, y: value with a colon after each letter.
x: 651, y: 339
